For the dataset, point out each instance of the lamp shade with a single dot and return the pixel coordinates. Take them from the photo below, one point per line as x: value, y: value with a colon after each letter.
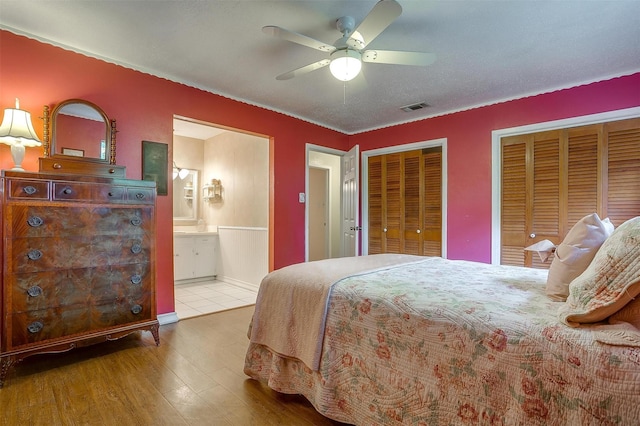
x: 16, y: 128
x: 345, y: 64
x: 17, y: 131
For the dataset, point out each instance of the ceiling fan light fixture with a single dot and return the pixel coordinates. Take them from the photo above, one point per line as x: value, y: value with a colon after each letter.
x: 345, y: 64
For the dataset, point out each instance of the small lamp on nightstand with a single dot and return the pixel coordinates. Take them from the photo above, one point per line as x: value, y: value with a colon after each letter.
x: 17, y: 131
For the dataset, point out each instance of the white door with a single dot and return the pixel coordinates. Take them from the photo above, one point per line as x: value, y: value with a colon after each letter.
x: 350, y: 221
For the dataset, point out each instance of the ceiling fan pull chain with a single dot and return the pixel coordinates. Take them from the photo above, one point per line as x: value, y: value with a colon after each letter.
x: 344, y: 93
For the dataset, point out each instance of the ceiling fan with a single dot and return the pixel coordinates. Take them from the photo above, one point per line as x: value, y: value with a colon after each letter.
x: 348, y: 52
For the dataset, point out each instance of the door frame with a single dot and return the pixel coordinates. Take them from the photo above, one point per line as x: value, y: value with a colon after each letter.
x: 441, y: 142
x: 496, y: 169
x: 322, y: 149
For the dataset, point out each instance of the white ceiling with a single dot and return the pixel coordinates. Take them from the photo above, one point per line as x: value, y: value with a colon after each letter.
x: 488, y: 50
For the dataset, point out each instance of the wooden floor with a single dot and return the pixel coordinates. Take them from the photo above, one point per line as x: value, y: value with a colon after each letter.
x: 193, y: 378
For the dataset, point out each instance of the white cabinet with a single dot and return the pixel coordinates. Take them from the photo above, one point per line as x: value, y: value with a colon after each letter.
x: 194, y: 256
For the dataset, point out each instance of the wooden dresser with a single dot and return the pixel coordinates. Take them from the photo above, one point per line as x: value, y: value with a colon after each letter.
x: 78, y: 262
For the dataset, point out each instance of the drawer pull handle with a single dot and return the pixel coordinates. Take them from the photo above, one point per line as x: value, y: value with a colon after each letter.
x: 110, y: 194
x: 29, y: 190
x: 136, y: 309
x: 34, y: 254
x: 136, y: 279
x: 136, y: 248
x: 57, y: 165
x: 136, y: 221
x: 35, y: 221
x: 34, y: 291
x: 67, y: 190
x: 112, y: 171
x: 35, y: 327
x: 140, y: 195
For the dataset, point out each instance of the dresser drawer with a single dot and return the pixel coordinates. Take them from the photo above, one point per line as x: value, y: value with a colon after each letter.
x: 45, y: 290
x: 141, y: 195
x: 74, y: 191
x: 40, y: 220
x: 47, y: 254
x: 121, y: 283
x: 121, y: 312
x: 25, y: 189
x: 110, y: 193
x: 46, y: 324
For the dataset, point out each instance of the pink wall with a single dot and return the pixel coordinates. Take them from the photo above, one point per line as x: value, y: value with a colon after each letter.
x: 144, y: 105
x: 468, y: 136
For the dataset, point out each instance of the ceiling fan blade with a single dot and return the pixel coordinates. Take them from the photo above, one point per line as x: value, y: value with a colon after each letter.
x: 380, y: 17
x: 398, y: 57
x: 279, y: 32
x: 303, y: 70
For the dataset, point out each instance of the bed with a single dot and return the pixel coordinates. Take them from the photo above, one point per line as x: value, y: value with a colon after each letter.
x: 396, y: 339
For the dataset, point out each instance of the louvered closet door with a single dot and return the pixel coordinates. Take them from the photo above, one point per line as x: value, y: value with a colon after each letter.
x: 545, y: 186
x: 531, y: 192
x: 513, y: 200
x: 623, y: 170
x: 583, y: 187
x: 392, y: 202
x: 405, y: 203
x: 550, y: 180
x: 375, y: 204
x: 432, y: 202
x: 412, y: 206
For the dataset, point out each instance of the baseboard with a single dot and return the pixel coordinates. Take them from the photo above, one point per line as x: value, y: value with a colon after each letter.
x: 168, y: 318
x: 239, y: 283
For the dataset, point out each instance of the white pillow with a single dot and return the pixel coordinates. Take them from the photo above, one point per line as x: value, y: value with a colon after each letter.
x: 575, y: 253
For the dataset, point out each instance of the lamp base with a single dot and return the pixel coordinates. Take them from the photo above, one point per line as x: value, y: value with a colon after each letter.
x: 17, y: 152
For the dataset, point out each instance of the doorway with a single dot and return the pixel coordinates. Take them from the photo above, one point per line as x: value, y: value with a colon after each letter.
x: 326, y: 199
x: 233, y: 197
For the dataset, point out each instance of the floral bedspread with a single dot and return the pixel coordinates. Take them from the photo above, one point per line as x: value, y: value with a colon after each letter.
x: 453, y: 342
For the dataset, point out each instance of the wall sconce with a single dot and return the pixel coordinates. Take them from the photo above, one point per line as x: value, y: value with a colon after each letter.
x: 177, y: 171
x: 212, y: 191
x: 17, y: 131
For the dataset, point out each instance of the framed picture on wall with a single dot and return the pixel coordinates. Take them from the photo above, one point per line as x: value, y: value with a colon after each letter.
x: 155, y: 163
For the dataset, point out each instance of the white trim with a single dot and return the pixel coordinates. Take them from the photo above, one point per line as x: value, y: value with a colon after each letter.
x: 168, y: 318
x: 442, y: 142
x: 497, y: 135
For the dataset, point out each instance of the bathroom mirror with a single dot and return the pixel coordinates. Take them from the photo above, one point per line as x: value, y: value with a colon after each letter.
x: 79, y: 129
x: 185, y: 199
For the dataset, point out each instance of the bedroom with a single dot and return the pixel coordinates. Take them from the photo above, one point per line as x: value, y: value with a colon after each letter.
x: 40, y: 74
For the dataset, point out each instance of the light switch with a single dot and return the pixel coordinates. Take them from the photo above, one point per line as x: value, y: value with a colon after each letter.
x: 302, y: 197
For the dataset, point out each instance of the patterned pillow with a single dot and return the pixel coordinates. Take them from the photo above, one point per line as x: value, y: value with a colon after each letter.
x: 611, y: 280
x: 575, y: 254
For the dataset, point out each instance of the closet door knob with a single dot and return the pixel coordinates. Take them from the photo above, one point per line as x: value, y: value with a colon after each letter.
x: 417, y: 231
x: 532, y: 235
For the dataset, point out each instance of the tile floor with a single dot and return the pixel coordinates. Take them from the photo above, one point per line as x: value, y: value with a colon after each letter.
x: 210, y: 296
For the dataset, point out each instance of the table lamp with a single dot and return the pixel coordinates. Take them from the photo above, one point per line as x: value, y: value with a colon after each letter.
x: 17, y: 131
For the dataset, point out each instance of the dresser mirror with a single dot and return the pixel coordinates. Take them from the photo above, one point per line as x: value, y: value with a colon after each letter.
x: 79, y: 138
x: 185, y: 198
x: 80, y: 128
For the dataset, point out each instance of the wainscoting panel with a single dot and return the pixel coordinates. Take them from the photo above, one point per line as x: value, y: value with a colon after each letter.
x: 244, y: 255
